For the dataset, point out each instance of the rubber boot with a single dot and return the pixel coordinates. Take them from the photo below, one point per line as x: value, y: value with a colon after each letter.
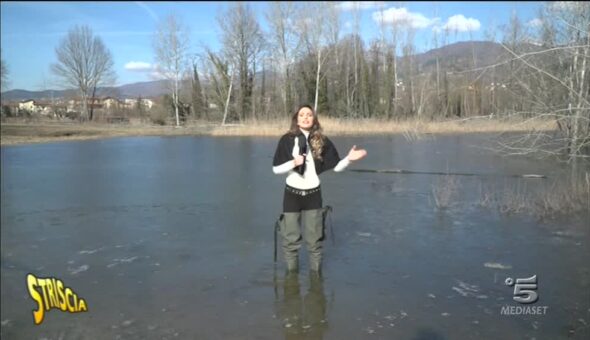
x: 314, y: 235
x: 291, y: 233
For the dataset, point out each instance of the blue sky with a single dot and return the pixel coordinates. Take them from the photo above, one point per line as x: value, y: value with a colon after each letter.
x: 30, y: 31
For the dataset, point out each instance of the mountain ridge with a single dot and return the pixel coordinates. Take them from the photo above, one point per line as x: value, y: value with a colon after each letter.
x: 457, y: 56
x: 146, y: 89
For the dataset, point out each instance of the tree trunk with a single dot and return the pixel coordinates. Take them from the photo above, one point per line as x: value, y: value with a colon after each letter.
x: 394, y: 88
x: 84, y: 105
x: 176, y: 101
x: 317, y: 80
x: 91, y: 115
x: 288, y: 95
x: 231, y: 82
x: 577, y: 122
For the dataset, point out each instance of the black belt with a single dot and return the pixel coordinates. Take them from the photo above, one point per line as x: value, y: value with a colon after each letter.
x: 302, y: 192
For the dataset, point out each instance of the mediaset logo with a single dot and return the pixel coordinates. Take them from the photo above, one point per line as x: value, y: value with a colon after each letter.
x: 525, y: 292
x: 50, y: 292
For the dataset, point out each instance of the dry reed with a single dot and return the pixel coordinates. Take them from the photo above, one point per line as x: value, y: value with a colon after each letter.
x: 19, y: 132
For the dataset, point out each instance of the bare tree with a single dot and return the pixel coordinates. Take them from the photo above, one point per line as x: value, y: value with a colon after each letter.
x: 312, y: 27
x: 242, y: 41
x: 356, y: 42
x: 3, y: 73
x: 84, y: 62
x: 171, y: 43
x: 573, y: 24
x: 409, y: 51
x: 283, y: 44
x: 392, y: 70
x: 545, y: 76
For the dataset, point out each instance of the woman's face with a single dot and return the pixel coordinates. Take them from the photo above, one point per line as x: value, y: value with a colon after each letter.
x: 305, y: 118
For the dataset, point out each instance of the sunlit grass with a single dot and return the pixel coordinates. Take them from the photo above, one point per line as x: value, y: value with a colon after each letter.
x: 410, y: 128
x: 39, y: 131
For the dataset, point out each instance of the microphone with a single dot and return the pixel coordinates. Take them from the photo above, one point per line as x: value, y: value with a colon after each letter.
x: 301, y: 168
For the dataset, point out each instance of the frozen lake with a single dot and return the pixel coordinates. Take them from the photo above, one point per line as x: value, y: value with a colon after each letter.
x: 173, y: 238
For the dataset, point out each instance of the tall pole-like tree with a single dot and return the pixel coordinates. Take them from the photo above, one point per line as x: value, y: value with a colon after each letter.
x: 3, y: 73
x: 392, y: 102
x: 171, y: 43
x: 199, y: 108
x: 283, y: 43
x: 312, y: 27
x: 221, y: 77
x: 242, y: 41
x: 83, y: 62
x: 356, y: 40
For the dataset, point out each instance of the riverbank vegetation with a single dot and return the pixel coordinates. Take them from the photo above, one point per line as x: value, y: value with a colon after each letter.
x: 523, y: 77
x: 19, y: 131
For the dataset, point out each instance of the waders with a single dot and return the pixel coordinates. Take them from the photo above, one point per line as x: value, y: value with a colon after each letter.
x: 313, y: 225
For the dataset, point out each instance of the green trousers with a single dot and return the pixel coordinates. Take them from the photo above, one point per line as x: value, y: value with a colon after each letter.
x: 313, y: 232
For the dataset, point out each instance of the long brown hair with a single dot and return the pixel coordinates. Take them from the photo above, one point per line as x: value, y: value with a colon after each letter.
x: 316, y: 139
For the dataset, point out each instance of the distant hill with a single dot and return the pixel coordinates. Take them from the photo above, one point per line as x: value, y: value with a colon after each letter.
x: 460, y: 56
x: 146, y: 89
x: 14, y: 95
x: 454, y: 57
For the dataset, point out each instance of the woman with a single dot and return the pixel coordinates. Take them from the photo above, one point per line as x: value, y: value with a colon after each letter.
x: 303, y: 153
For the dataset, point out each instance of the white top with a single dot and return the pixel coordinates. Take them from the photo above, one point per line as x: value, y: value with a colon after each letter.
x: 310, y: 178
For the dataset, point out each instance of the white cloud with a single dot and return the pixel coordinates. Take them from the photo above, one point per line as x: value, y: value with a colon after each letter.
x: 139, y: 66
x: 361, y: 5
x: 536, y: 22
x: 401, y: 16
x: 459, y: 23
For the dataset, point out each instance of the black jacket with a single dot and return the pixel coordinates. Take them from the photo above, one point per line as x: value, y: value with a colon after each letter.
x: 284, y: 152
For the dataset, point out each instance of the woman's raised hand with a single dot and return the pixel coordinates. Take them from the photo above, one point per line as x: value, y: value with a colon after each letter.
x: 355, y: 154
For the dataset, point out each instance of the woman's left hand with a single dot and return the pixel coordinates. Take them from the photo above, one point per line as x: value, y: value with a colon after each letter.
x: 355, y: 154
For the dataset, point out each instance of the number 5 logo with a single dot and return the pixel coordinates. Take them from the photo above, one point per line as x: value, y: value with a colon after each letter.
x: 524, y: 289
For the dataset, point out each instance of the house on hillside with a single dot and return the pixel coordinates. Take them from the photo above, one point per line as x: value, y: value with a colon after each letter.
x: 131, y: 103
x: 44, y: 108
x: 75, y: 105
x: 41, y: 107
x: 147, y: 103
x: 71, y: 105
x: 27, y: 105
x: 111, y: 103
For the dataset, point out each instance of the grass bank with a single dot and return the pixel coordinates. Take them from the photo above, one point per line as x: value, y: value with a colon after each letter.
x: 40, y: 131
x: 333, y: 127
x: 15, y: 132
